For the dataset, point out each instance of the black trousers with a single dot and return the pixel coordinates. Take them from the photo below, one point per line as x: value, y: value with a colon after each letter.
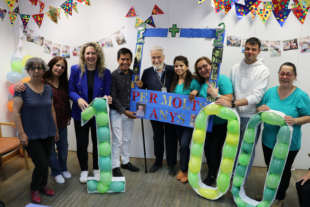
x: 286, y: 176
x: 82, y: 140
x: 160, y: 130
x: 184, y: 135
x: 213, y: 147
x: 303, y: 192
x: 39, y: 150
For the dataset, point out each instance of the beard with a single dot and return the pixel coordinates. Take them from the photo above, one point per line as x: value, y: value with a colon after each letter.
x: 158, y: 67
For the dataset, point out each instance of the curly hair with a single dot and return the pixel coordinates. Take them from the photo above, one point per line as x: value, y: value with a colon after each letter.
x: 100, y: 61
x: 63, y: 79
x: 32, y: 61
x: 188, y: 77
x: 201, y: 79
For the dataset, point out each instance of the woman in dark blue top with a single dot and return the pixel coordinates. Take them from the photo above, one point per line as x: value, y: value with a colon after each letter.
x: 88, y: 80
x: 35, y: 119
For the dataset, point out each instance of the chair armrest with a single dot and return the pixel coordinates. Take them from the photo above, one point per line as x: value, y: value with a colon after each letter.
x: 6, y: 123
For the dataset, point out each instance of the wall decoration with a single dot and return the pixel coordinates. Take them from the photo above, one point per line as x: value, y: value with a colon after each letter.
x: 278, y: 5
x: 25, y: 19
x: 174, y: 30
x: 56, y: 49
x: 119, y: 37
x: 131, y: 13
x: 263, y: 14
x: 34, y: 2
x: 138, y: 22
x: 253, y: 9
x: 76, y: 50
x: 234, y: 41
x: 65, y: 51
x: 275, y: 48
x: 67, y: 7
x: 300, y: 14
x: 2, y: 13
x: 74, y: 6
x: 290, y: 44
x: 16, y: 10
x: 10, y: 3
x: 12, y: 16
x: 304, y: 4
x: 38, y: 18
x: 150, y: 21
x: 281, y: 16
x: 157, y: 10
x: 47, y: 47
x: 304, y: 44
x: 243, y: 40
x: 200, y: 1
x: 42, y: 5
x: 264, y: 45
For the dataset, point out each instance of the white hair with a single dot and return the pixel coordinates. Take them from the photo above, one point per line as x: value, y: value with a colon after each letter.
x: 156, y: 48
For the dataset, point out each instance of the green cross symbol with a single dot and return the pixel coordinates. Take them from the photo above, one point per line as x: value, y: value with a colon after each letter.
x: 174, y: 30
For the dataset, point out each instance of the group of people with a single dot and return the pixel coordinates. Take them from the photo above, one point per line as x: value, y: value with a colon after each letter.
x: 42, y: 112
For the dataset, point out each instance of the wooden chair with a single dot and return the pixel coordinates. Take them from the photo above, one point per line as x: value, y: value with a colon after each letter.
x: 8, y: 144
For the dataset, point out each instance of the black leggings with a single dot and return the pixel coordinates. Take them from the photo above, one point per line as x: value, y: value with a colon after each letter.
x: 303, y: 192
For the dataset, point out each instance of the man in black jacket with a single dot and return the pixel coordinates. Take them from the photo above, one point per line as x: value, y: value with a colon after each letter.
x: 159, y: 78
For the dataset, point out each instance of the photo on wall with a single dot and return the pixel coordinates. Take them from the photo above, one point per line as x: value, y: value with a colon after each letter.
x: 304, y: 44
x: 47, y: 46
x: 290, y: 44
x: 76, y: 50
x: 243, y: 40
x: 264, y: 46
x: 65, y: 51
x: 38, y: 40
x: 275, y: 48
x: 233, y: 41
x: 56, y: 49
x: 141, y: 107
x: 119, y: 37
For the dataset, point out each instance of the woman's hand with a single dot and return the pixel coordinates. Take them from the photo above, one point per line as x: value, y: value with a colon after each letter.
x: 192, y: 95
x: 262, y: 108
x: 212, y: 91
x: 305, y: 178
x: 56, y: 136
x: 290, y: 120
x: 109, y: 99
x: 223, y: 102
x: 23, y: 138
x: 19, y: 87
x: 82, y: 104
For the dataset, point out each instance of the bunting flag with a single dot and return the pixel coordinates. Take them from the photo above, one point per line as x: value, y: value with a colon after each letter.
x: 280, y: 4
x: 281, y: 16
x: 12, y: 16
x: 131, y: 12
x: 67, y: 7
x: 212, y: 4
x: 87, y: 2
x: 66, y: 14
x: 16, y: 10
x: 243, y: 10
x: 295, y: 4
x: 268, y: 5
x: 52, y: 14
x: 254, y: 7
x: 2, y: 13
x: 11, y: 4
x: 74, y: 6
x: 200, y: 1
x: 263, y: 14
x: 58, y: 12
x: 25, y: 19
x: 38, y: 18
x: 304, y: 4
x: 157, y: 10
x: 138, y: 22
x: 150, y: 21
x: 42, y: 5
x: 34, y: 2
x: 228, y: 8
x: 300, y: 14
x: 220, y: 5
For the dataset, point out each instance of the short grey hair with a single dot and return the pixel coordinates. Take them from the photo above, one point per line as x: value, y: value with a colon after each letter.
x: 32, y: 61
x: 156, y: 48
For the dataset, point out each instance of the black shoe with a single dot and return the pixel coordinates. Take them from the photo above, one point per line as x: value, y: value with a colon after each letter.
x: 130, y: 167
x: 155, y: 167
x: 117, y: 172
x: 172, y: 171
x: 1, y: 204
x: 209, y: 180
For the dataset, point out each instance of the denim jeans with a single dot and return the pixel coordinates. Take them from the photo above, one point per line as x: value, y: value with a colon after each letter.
x: 184, y: 135
x: 58, y: 161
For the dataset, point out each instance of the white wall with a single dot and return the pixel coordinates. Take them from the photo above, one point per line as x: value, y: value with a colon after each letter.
x: 105, y: 17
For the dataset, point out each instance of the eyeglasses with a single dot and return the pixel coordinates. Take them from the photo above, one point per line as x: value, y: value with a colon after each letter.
x: 36, y: 68
x: 203, y: 67
x: 288, y: 75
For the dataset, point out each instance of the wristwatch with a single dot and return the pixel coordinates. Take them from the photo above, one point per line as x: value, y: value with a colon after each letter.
x: 232, y: 104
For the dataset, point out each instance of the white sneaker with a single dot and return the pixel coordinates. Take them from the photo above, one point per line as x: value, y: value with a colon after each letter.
x: 59, y: 179
x: 97, y: 173
x: 66, y: 174
x: 83, y: 176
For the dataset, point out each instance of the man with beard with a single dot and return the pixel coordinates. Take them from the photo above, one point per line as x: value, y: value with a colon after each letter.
x: 159, y: 78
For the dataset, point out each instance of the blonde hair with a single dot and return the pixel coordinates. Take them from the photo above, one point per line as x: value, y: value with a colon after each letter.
x: 100, y: 60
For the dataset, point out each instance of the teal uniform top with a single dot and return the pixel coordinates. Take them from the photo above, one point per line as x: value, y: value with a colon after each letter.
x: 295, y: 105
x: 225, y: 87
x: 195, y: 85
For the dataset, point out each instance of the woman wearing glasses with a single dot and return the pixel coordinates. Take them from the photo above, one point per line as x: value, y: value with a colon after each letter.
x: 295, y: 103
x: 215, y: 139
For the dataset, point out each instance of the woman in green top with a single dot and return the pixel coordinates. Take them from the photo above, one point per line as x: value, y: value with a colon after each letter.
x: 215, y: 139
x: 295, y: 103
x: 184, y: 83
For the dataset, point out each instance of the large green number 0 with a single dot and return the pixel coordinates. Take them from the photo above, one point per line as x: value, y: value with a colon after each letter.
x: 106, y: 184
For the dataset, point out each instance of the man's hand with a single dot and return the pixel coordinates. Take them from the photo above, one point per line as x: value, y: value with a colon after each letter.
x: 130, y: 114
x: 223, y: 102
x: 139, y: 83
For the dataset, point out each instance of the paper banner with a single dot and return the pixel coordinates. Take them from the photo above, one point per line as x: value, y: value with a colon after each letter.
x: 131, y: 12
x: 150, y: 21
x: 263, y: 14
x: 280, y: 4
x: 10, y: 3
x: 157, y: 10
x: 25, y: 19
x: 304, y: 4
x: 241, y: 10
x: 38, y: 18
x: 281, y: 16
x: 138, y: 22
x: 200, y: 1
x: 212, y: 4
x: 52, y: 14
x: 295, y: 4
x: 34, y: 2
x: 228, y: 8
x: 42, y: 5
x: 74, y: 6
x: 221, y: 4
x: 58, y: 12
x: 16, y: 10
x: 66, y: 14
x: 300, y: 14
x: 254, y: 7
x: 86, y: 2
x: 12, y: 16
x: 67, y: 7
x: 268, y: 5
x: 2, y: 13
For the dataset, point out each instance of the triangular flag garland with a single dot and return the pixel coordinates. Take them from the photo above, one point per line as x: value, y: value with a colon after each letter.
x: 131, y: 12
x: 2, y: 13
x: 300, y: 14
x: 228, y: 8
x: 87, y: 2
x: 279, y: 5
x: 52, y: 14
x: 81, y: 1
x: 241, y: 10
x: 12, y: 16
x: 34, y: 2
x: 38, y: 18
x: 150, y: 21
x: 25, y: 19
x: 10, y: 3
x: 74, y: 6
x: 42, y: 5
x: 67, y: 7
x: 263, y: 14
x: 221, y: 5
x: 16, y: 10
x: 138, y: 22
x: 281, y: 16
x: 254, y: 7
x: 200, y: 1
x: 58, y: 12
x: 304, y: 4
x: 66, y: 14
x: 295, y: 4
x: 157, y: 10
x: 268, y: 5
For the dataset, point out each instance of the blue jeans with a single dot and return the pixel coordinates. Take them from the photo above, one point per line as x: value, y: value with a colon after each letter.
x: 184, y: 135
x: 59, y: 164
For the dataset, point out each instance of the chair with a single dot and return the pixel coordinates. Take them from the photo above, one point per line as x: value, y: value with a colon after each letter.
x: 8, y: 144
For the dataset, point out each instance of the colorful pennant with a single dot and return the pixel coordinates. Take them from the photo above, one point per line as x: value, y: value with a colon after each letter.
x: 228, y: 8
x: 295, y: 4
x: 304, y: 4
x: 138, y: 22
x: 67, y: 7
x: 253, y: 8
x: 12, y: 16
x: 74, y: 6
x: 16, y: 10
x: 220, y: 5
x: 300, y: 14
x: 87, y: 2
x: 281, y: 16
x: 157, y: 10
x: 150, y: 21
x: 2, y: 13
x: 263, y: 14
x: 42, y: 5
x: 280, y: 4
x: 34, y: 2
x: 241, y: 10
x: 131, y: 12
x: 58, y: 12
x: 38, y: 18
x: 52, y: 14
x: 66, y: 14
x: 268, y: 5
x: 25, y: 19
x: 201, y: 1
x: 11, y: 4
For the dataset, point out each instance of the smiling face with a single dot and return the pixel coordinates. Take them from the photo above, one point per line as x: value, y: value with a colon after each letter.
x: 204, y: 69
x: 124, y: 62
x: 287, y: 76
x: 180, y: 68
x: 58, y: 68
x: 140, y: 108
x: 158, y: 59
x: 91, y: 56
x: 36, y: 72
x: 251, y: 52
